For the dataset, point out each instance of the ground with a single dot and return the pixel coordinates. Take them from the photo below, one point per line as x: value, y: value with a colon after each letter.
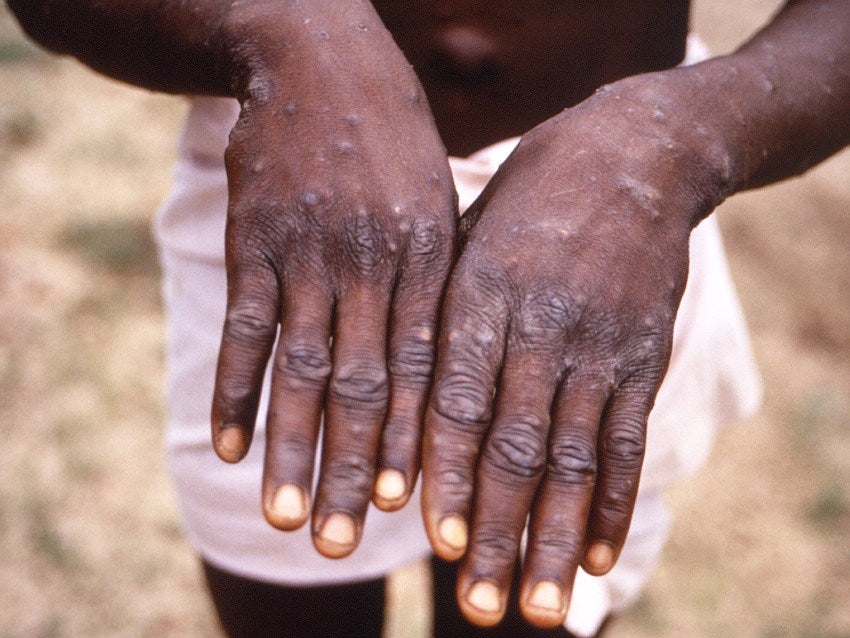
x: 90, y: 543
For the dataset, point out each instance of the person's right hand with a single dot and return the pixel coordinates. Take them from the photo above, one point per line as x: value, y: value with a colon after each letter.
x: 340, y: 231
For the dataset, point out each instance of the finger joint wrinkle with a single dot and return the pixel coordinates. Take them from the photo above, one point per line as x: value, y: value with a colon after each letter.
x: 572, y: 462
x: 495, y: 543
x: 462, y: 404
x: 364, y: 244
x: 250, y: 323
x: 412, y: 358
x: 354, y: 472
x: 305, y: 363
x: 360, y: 384
x: 519, y: 449
x: 624, y: 447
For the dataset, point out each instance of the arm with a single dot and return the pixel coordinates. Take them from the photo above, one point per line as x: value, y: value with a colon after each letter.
x: 162, y: 46
x: 341, y: 221
x: 558, y: 318
x: 783, y: 98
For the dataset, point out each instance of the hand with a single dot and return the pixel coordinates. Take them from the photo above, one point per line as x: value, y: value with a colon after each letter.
x: 557, y: 331
x: 340, y: 227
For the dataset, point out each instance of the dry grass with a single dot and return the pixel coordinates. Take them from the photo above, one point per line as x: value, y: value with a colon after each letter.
x: 89, y: 539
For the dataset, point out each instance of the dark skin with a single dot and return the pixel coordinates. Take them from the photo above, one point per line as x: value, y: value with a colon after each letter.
x: 555, y: 324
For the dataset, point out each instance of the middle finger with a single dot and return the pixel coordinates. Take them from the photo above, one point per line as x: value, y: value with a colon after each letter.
x: 356, y: 405
x: 509, y: 471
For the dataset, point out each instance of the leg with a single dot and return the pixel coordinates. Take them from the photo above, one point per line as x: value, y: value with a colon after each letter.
x: 253, y: 609
x: 450, y: 623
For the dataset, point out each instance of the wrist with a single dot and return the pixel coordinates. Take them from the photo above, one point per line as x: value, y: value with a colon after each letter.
x: 674, y: 131
x: 719, y: 100
x: 271, y: 44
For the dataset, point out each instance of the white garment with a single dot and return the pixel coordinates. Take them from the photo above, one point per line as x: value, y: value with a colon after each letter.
x: 711, y: 381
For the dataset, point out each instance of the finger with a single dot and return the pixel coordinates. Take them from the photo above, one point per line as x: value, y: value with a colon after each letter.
x: 302, y: 366
x: 559, y: 517
x: 356, y: 406
x: 250, y: 327
x: 411, y: 361
x: 458, y: 415
x: 622, y: 441
x: 509, y: 471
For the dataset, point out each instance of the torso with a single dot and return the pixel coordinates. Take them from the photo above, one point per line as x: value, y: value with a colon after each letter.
x: 493, y: 69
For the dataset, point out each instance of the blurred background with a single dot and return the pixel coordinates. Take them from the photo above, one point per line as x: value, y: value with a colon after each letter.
x: 90, y: 544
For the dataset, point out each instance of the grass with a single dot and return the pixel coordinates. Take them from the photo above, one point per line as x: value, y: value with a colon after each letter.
x: 831, y: 506
x: 47, y: 539
x: 117, y: 245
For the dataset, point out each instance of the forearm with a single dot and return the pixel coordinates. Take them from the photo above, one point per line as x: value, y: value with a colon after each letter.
x: 781, y: 103
x: 771, y: 110
x: 217, y: 47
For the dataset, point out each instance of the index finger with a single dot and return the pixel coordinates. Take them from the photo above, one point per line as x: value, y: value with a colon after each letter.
x: 469, y: 357
x: 556, y: 538
x: 509, y: 470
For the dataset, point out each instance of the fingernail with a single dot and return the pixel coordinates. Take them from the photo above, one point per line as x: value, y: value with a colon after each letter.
x: 452, y: 530
x: 599, y: 558
x: 230, y: 443
x: 289, y: 508
x: 390, y: 485
x: 338, y: 534
x: 547, y: 595
x: 484, y: 596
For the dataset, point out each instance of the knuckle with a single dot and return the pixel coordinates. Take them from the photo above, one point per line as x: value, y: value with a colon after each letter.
x: 624, y: 445
x: 643, y: 379
x: 462, y: 400
x: 400, y: 434
x: 555, y: 308
x: 491, y: 279
x: 305, y: 364
x: 455, y: 478
x: 648, y: 351
x: 355, y: 472
x: 364, y: 244
x: 560, y: 544
x: 602, y: 328
x: 250, y: 323
x: 572, y: 461
x: 427, y: 242
x: 360, y: 384
x: 495, y: 543
x: 290, y: 449
x: 616, y: 503
x: 231, y: 395
x: 518, y: 448
x: 412, y: 358
x: 258, y: 230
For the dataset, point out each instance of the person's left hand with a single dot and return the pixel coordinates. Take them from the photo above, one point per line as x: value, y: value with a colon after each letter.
x: 557, y: 331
